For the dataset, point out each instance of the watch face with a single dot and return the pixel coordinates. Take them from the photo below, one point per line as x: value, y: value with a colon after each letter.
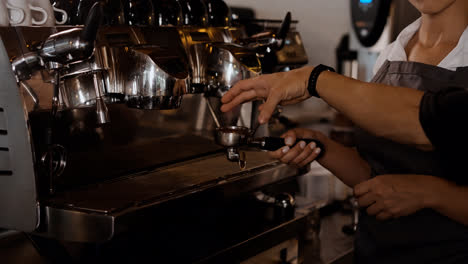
x: 369, y: 18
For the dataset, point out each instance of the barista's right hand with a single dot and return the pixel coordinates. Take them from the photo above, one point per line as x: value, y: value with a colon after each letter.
x: 299, y: 154
x: 282, y: 88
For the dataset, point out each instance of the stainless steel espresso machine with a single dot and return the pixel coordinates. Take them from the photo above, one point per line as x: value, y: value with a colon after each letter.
x: 107, y: 150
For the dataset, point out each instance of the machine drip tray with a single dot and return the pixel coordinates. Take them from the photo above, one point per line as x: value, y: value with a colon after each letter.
x: 107, y: 161
x: 98, y: 212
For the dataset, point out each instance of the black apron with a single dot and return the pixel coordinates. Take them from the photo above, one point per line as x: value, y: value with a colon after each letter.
x: 425, y: 236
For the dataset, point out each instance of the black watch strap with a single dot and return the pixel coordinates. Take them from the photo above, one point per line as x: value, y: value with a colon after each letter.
x: 312, y: 87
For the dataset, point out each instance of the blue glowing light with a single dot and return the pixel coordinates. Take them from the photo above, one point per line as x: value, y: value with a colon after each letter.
x: 365, y: 1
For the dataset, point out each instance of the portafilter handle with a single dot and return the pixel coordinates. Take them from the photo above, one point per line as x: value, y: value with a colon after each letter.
x: 273, y: 143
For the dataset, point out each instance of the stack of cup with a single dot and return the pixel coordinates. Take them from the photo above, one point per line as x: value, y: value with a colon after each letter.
x: 30, y: 13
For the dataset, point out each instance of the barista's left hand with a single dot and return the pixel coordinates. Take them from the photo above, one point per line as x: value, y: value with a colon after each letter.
x: 393, y: 196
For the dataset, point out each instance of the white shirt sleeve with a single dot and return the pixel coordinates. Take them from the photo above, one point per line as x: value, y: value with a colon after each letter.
x: 383, y: 57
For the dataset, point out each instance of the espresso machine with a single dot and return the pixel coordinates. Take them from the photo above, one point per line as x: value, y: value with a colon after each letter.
x: 376, y: 24
x: 108, y: 151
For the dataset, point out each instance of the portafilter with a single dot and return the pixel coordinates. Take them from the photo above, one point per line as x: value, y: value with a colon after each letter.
x: 82, y: 85
x: 234, y: 138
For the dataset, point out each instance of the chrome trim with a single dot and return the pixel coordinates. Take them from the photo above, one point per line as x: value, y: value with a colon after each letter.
x: 76, y: 226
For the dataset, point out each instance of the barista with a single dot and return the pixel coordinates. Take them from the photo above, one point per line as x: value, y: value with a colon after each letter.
x: 416, y: 208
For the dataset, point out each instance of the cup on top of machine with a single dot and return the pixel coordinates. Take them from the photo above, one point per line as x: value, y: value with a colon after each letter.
x: 5, y: 13
x: 54, y: 15
x: 68, y: 8
x: 24, y: 13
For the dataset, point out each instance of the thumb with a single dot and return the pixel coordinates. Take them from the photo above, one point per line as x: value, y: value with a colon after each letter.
x: 289, y: 137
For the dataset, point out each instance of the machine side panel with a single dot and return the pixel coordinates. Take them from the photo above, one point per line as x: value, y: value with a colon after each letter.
x: 18, y: 208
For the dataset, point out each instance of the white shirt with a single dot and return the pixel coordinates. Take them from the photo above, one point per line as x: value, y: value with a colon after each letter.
x: 458, y: 57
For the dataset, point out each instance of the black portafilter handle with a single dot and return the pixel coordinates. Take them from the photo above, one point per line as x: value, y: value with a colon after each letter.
x: 93, y: 22
x: 274, y: 143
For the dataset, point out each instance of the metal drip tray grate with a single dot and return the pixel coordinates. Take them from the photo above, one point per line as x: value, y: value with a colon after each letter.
x: 144, y: 153
x: 159, y: 185
x: 97, y: 212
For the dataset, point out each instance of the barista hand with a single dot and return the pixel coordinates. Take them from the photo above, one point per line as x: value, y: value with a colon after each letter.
x: 393, y: 196
x: 300, y: 154
x: 282, y: 88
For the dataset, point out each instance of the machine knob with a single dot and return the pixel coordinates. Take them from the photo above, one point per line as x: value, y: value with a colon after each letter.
x: 285, y: 204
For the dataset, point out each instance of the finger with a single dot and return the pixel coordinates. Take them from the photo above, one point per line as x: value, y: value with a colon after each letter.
x: 279, y: 153
x: 396, y: 213
x: 375, y: 208
x: 238, y: 88
x: 315, y: 152
x: 258, y: 84
x: 362, y: 188
x: 269, y: 106
x: 301, y: 133
x: 289, y: 137
x: 260, y: 107
x: 239, y: 99
x: 366, y: 200
x: 291, y: 154
x: 306, y: 152
x: 383, y: 216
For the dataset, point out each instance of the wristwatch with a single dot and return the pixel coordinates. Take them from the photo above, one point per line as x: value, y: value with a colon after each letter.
x: 312, y: 87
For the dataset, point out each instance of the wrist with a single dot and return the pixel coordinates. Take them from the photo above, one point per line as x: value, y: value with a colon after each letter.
x: 321, y: 85
x: 314, y: 77
x: 436, y: 191
x: 305, y: 74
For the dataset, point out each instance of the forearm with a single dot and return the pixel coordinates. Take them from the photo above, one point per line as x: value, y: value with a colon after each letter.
x: 386, y: 111
x: 448, y: 199
x: 345, y: 163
